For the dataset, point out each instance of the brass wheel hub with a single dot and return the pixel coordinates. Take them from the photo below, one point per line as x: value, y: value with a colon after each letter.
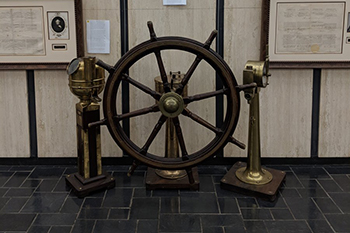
x: 171, y: 104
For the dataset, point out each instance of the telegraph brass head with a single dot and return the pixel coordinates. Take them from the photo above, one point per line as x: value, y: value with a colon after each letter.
x: 86, y: 79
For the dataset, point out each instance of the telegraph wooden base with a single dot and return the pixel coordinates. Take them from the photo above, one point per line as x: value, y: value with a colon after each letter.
x: 267, y: 191
x: 153, y: 181
x: 83, y: 187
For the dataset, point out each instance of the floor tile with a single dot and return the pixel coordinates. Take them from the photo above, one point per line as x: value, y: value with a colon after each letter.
x: 339, y: 222
x: 5, y: 168
x: 22, y: 168
x: 54, y: 219
x: 343, y: 181
x: 71, y: 205
x: 255, y: 213
x: 144, y: 208
x: 60, y: 229
x: 277, y: 203
x: 212, y: 169
x: 30, y: 183
x: 3, y: 191
x: 213, y: 230
x: 3, y: 201
x: 217, y: 178
x: 335, y: 169
x: 199, y: 203
x: 9, y: 222
x: 326, y: 205
x: 317, y: 192
x: 142, y: 192
x: 17, y: 179
x: 228, y: 220
x: 118, y: 197
x: 320, y: 226
x: 310, y: 172
x: 47, y: 172
x: 19, y: 192
x: 304, y: 208
x: 14, y: 205
x: 226, y: 193
x: 61, y: 186
x: 39, y: 229
x: 287, y: 226
x: 255, y: 227
x: 281, y: 214
x: 83, y: 226
x: 119, y: 214
x: 292, y: 181
x: 247, y: 202
x: 228, y: 205
x: 170, y: 223
x: 342, y: 200
x: 311, y: 184
x: 113, y: 226
x: 47, y: 185
x: 94, y: 213
x: 170, y: 205
x: 45, y: 203
x: 147, y: 226
x: 92, y: 202
x: 136, y: 180
x: 167, y: 192
x: 4, y: 177
x: 290, y: 192
x: 206, y: 184
x: 330, y: 186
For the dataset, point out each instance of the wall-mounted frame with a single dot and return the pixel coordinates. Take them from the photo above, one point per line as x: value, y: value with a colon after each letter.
x: 306, y: 34
x: 40, y: 34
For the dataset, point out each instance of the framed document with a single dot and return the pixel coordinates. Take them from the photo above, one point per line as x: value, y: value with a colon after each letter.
x: 40, y: 34
x: 308, y: 34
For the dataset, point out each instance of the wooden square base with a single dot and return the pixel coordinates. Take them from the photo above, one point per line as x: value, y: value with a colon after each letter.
x: 153, y: 181
x: 83, y: 187
x: 266, y: 191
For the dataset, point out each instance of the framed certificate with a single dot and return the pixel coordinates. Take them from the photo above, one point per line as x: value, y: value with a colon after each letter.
x: 307, y: 33
x: 40, y: 34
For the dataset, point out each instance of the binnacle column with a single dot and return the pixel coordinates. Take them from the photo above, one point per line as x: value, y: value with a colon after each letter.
x: 86, y: 80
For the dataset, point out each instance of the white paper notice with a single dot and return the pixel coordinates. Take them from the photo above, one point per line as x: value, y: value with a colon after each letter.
x: 174, y: 2
x: 98, y: 36
x: 309, y: 28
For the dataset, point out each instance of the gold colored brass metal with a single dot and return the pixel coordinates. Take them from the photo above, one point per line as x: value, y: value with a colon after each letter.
x: 253, y: 173
x: 86, y: 80
x: 171, y: 104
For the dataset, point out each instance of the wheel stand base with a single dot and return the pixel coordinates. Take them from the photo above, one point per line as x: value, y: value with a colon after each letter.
x: 266, y: 191
x: 153, y: 181
x: 83, y: 187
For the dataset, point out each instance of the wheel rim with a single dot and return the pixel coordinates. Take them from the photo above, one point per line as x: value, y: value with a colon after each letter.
x: 221, y: 134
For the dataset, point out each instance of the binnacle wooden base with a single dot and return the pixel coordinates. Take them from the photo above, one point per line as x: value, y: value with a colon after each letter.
x: 83, y: 187
x: 153, y: 181
x: 266, y: 191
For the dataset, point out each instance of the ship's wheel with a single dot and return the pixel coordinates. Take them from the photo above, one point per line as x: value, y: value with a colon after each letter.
x: 171, y: 104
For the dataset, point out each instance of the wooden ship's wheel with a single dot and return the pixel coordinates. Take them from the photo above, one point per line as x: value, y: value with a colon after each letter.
x: 171, y: 103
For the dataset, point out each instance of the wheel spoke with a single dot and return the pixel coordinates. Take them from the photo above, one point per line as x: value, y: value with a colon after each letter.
x: 203, y: 96
x: 153, y: 135
x: 162, y: 71
x: 188, y: 75
x: 198, y: 119
x: 142, y: 87
x: 143, y: 111
x: 180, y: 138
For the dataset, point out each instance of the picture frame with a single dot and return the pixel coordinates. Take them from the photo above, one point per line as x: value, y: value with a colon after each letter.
x: 53, y: 37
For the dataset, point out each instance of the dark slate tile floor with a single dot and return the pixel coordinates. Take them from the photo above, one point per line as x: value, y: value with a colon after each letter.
x: 35, y: 199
